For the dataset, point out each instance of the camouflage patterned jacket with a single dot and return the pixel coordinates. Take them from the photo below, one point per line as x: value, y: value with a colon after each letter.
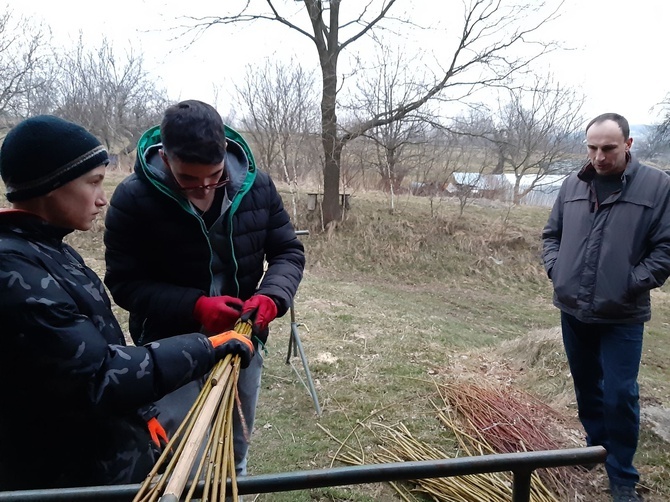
x: 70, y: 388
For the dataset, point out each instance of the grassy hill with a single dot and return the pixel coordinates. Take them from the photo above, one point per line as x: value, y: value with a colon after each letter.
x: 392, y: 306
x: 393, y: 303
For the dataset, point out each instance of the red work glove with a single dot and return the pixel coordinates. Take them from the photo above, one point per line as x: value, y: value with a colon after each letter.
x: 157, y: 432
x: 217, y: 313
x: 231, y: 342
x: 261, y: 310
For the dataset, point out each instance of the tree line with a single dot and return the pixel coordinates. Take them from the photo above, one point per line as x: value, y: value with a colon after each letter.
x: 390, y: 118
x: 111, y: 94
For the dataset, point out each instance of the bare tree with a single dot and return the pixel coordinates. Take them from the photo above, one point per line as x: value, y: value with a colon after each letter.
x: 396, y: 143
x: 356, y: 171
x: 536, y: 130
x: 481, y: 56
x: 280, y: 115
x: 280, y: 106
x: 112, y: 96
x: 657, y: 146
x: 25, y: 69
x: 437, y: 161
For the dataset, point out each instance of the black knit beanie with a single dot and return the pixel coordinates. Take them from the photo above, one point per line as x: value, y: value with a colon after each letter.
x: 45, y: 152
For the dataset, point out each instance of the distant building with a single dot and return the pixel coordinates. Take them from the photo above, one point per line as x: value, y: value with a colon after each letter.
x: 490, y: 186
x: 544, y: 190
x: 501, y: 187
x: 541, y: 192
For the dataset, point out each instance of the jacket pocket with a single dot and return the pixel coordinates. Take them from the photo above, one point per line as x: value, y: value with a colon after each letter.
x: 640, y: 282
x: 566, y: 283
x: 613, y: 297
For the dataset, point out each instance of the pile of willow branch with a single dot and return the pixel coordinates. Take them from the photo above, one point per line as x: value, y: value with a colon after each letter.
x: 483, y: 420
x: 507, y: 420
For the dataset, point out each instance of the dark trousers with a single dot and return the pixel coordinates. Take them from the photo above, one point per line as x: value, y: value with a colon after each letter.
x: 604, y: 361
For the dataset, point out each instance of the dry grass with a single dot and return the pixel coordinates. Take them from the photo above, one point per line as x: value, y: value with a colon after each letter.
x: 393, y: 301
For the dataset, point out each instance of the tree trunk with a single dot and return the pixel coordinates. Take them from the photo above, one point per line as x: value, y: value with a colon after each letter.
x: 331, y: 179
x: 332, y: 146
x: 500, y: 166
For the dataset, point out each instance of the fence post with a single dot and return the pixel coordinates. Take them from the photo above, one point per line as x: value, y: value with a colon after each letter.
x: 521, y: 485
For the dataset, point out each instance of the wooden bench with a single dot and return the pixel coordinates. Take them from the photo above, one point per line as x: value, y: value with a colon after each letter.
x: 313, y: 200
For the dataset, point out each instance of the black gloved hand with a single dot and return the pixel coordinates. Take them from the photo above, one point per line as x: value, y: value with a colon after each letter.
x: 231, y: 342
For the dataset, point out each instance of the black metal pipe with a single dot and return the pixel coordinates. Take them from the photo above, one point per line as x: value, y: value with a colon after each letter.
x: 519, y: 463
x: 399, y: 471
x: 117, y: 493
x: 521, y: 485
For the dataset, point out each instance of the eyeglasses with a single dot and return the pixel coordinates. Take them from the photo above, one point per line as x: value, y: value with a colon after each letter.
x: 222, y: 182
x: 211, y: 186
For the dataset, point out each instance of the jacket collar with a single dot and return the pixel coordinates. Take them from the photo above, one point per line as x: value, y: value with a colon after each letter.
x: 587, y: 173
x: 29, y: 223
x: 240, y: 164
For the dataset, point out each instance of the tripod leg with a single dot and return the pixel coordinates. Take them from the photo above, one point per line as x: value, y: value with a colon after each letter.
x: 308, y: 375
x: 295, y: 344
x: 290, y: 345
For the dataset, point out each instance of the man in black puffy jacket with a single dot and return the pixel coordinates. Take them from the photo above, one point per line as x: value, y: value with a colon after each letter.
x: 606, y: 246
x: 188, y: 235
x: 76, y: 401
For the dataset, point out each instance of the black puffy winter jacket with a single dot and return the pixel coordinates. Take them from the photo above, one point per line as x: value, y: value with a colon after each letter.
x: 161, y: 257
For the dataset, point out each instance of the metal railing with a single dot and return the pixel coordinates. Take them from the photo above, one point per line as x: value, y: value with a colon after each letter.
x: 521, y: 465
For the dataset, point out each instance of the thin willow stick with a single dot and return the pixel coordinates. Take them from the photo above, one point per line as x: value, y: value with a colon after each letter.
x: 204, y: 460
x: 212, y: 411
x: 187, y: 458
x: 141, y: 495
x: 217, y: 445
x: 228, y: 441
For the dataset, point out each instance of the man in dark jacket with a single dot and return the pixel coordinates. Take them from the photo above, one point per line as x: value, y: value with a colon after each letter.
x: 606, y: 245
x: 188, y: 235
x: 76, y: 401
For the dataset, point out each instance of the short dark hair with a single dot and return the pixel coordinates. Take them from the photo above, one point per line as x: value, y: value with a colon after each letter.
x: 619, y: 119
x: 193, y: 131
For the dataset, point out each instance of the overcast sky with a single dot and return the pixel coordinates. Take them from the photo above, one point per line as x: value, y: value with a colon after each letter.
x: 615, y: 58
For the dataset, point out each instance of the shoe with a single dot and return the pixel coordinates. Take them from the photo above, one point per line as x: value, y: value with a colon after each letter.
x: 621, y: 493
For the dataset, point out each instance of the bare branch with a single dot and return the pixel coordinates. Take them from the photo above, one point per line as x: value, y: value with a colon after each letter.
x: 482, y: 57
x: 479, y: 24
x: 25, y: 68
x: 369, y: 25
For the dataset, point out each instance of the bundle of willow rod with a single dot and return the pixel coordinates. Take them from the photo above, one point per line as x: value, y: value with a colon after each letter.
x: 207, y: 431
x: 508, y: 420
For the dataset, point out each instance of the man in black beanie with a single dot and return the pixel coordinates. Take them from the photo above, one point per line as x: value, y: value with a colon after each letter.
x: 76, y: 401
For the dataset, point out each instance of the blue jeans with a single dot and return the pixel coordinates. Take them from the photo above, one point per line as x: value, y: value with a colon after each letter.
x: 605, y: 360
